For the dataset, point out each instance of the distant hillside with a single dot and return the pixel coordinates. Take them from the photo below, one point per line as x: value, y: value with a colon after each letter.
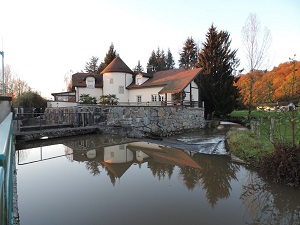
x: 280, y: 84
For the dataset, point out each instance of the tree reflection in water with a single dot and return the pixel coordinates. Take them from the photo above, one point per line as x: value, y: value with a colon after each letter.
x: 93, y: 167
x: 160, y: 170
x: 196, y: 169
x: 270, y: 203
x: 264, y: 202
x: 214, y: 178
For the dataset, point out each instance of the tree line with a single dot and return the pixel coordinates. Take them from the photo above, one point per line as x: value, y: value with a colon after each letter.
x: 281, y: 84
x: 20, y: 91
x: 14, y: 85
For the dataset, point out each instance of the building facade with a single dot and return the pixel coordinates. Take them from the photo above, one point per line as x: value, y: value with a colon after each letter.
x: 151, y: 88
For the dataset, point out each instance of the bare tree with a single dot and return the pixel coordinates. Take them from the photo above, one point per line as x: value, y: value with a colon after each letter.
x: 9, y: 79
x: 257, y: 45
x: 14, y: 85
x: 20, y: 87
x: 68, y: 80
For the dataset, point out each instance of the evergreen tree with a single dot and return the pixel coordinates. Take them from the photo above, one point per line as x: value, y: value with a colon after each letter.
x: 138, y: 68
x: 217, y: 83
x: 170, y: 63
x: 152, y: 62
x: 161, y: 60
x: 158, y: 61
x: 110, y: 56
x: 92, y: 65
x: 189, y: 54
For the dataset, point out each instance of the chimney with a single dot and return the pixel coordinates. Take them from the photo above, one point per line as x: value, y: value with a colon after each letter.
x: 149, y: 69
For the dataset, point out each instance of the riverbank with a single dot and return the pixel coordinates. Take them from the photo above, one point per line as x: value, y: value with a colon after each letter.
x: 277, y: 162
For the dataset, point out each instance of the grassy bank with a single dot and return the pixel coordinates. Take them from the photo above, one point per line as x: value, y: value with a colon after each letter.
x: 245, y: 145
x: 273, y: 145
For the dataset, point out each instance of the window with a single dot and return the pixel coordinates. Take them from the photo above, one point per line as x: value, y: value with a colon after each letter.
x: 161, y: 98
x: 111, y: 81
x: 90, y: 84
x: 154, y: 98
x: 121, y: 89
x: 139, y: 98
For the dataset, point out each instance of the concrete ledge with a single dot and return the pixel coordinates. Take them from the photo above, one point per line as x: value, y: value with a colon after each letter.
x: 54, y: 133
x: 45, y: 127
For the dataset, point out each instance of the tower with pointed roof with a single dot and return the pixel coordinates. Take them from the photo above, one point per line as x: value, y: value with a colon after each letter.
x: 116, y: 77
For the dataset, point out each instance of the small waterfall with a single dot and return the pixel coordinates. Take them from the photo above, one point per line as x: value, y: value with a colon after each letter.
x: 214, y: 145
x: 209, y: 141
x: 218, y: 147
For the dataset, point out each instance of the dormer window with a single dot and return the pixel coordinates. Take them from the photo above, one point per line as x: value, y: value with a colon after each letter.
x: 90, y: 82
x: 138, y: 80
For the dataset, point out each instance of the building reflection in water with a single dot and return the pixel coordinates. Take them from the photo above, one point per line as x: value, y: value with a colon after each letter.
x: 195, y: 169
x: 114, y: 155
x: 216, y: 176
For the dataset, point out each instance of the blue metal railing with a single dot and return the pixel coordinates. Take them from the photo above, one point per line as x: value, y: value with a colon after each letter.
x: 6, y: 170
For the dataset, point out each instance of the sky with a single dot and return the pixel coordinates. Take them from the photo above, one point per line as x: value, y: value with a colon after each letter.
x: 44, y: 41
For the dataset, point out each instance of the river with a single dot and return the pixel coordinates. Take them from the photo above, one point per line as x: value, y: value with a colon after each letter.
x: 108, y: 179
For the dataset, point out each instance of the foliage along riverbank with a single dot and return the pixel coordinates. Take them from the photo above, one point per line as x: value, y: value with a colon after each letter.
x: 272, y: 145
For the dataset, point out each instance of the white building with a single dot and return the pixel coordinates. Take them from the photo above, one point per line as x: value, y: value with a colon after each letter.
x: 152, y: 88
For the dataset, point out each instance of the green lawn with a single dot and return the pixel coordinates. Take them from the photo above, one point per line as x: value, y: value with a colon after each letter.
x: 244, y: 113
x: 251, y: 145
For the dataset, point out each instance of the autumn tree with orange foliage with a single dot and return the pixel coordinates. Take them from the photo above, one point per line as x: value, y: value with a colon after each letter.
x: 280, y: 84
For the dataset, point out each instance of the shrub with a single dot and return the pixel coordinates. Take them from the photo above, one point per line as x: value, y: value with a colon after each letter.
x: 110, y: 99
x: 283, y: 165
x: 87, y: 99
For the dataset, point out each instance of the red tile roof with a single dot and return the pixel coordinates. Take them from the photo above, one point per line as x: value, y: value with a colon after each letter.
x: 164, y: 154
x: 172, y: 81
x: 117, y: 65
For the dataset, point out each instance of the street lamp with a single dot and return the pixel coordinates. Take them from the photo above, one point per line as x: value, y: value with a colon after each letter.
x: 2, y: 53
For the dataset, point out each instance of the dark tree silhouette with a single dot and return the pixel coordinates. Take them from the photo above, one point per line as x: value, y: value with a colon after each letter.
x: 217, y: 83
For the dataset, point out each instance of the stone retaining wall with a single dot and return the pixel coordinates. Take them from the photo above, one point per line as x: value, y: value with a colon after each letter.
x: 160, y: 120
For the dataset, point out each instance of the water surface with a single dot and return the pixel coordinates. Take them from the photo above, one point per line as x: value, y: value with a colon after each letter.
x: 101, y: 179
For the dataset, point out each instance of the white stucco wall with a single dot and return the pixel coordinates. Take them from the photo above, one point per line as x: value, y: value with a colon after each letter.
x: 139, y: 79
x: 145, y: 93
x: 112, y: 83
x: 117, y: 154
x: 93, y: 92
x: 116, y: 83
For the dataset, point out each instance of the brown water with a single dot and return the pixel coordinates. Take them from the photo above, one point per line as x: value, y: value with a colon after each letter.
x: 100, y: 179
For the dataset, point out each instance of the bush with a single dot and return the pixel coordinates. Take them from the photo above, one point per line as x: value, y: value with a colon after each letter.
x: 30, y: 99
x: 110, y: 99
x: 283, y: 166
x: 87, y: 99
